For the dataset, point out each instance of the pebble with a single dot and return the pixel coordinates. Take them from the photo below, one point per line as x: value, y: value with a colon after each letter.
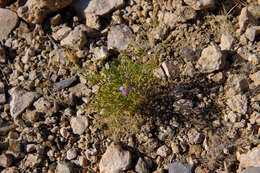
x: 8, y: 20
x: 256, y: 78
x: 5, y: 160
x: 238, y: 103
x: 61, y: 33
x: 93, y: 21
x: 33, y: 160
x: 35, y: 11
x: 119, y: 37
x: 72, y: 154
x: 56, y: 20
x: 79, y: 124
x: 2, y: 54
x: 2, y: 93
x: 235, y: 84
x: 189, y: 70
x: 42, y: 104
x: 163, y: 151
x: 178, y: 167
x: 195, y: 137
x: 64, y: 167
x: 255, y: 118
x: 141, y: 166
x: 252, y: 32
x: 251, y: 158
x: 80, y: 90
x: 234, y: 117
x: 20, y: 100
x: 211, y: 60
x: 115, y: 159
x: 101, y: 53
x: 31, y: 116
x: 65, y: 83
x: 226, y: 42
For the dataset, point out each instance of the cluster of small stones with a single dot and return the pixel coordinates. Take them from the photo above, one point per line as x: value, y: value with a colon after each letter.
x: 43, y: 128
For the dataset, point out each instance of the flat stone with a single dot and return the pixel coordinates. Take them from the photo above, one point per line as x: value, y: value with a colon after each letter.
x: 200, y: 4
x: 119, y: 37
x: 64, y: 167
x: 65, y: 83
x: 244, y: 19
x: 2, y: 93
x: 79, y: 124
x: 211, y: 60
x: 2, y: 54
x: 238, y: 103
x: 141, y: 166
x: 5, y: 160
x: 178, y: 167
x: 20, y: 100
x: 251, y: 158
x: 115, y: 160
x: 35, y: 11
x: 252, y: 169
x: 226, y: 42
x: 252, y: 32
x: 256, y: 78
x: 8, y: 20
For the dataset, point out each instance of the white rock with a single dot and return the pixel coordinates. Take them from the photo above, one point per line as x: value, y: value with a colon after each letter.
x: 252, y: 32
x: 226, y: 42
x: 119, y: 37
x: 200, y: 4
x: 101, y: 53
x: 61, y: 33
x: 256, y: 78
x: 8, y: 20
x: 163, y: 151
x: 64, y: 167
x: 211, y: 60
x: 72, y: 154
x: 238, y: 103
x: 20, y: 100
x: 234, y: 117
x: 251, y: 158
x: 79, y: 124
x: 115, y: 160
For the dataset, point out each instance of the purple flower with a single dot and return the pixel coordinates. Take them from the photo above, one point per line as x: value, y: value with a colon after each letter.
x: 125, y: 89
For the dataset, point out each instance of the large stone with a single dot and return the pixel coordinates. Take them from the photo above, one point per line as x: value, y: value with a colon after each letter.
x: 178, y: 167
x: 119, y: 37
x: 35, y: 11
x: 200, y: 4
x: 115, y: 160
x: 65, y: 83
x: 251, y: 158
x: 79, y: 124
x: 211, y: 60
x: 8, y: 20
x: 238, y: 103
x: 20, y: 100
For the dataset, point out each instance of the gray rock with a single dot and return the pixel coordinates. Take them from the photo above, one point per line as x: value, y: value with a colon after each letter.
x: 119, y: 37
x: 93, y: 21
x: 65, y: 83
x: 35, y: 11
x: 252, y: 32
x: 80, y: 90
x: 5, y: 160
x: 141, y: 166
x: 20, y: 100
x: 2, y: 54
x: 115, y: 160
x: 200, y: 4
x: 8, y: 20
x: 189, y: 70
x: 226, y: 42
x: 211, y: 60
x: 79, y: 124
x: 178, y: 167
x: 163, y: 151
x: 64, y: 167
x: 184, y: 106
x: 61, y: 33
x: 244, y: 19
x: 252, y: 169
x: 101, y: 53
x: 251, y: 158
x: 238, y: 103
x: 2, y: 93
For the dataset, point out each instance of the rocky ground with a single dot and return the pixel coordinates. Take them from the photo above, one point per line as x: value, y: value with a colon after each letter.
x: 203, y: 115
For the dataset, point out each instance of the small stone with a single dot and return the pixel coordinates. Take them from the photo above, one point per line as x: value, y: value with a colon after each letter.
x: 80, y: 90
x: 200, y: 4
x: 115, y: 159
x: 31, y: 116
x: 251, y: 158
x: 42, y: 105
x: 141, y: 166
x: 211, y: 60
x: 33, y: 160
x: 256, y: 78
x: 238, y: 103
x: 83, y: 161
x: 64, y: 167
x: 72, y: 154
x: 76, y: 39
x: 235, y: 84
x: 252, y: 32
x: 244, y: 19
x: 30, y: 148
x: 56, y: 20
x: 2, y: 93
x: 234, y: 117
x: 226, y: 42
x: 119, y: 37
x: 189, y: 70
x: 8, y: 20
x: 5, y: 160
x: 93, y: 21
x: 2, y: 55
x: 219, y: 77
x: 79, y: 124
x: 61, y: 33
x: 169, y: 68
x: 35, y: 11
x: 253, y: 58
x: 20, y: 100
x: 195, y: 137
x: 255, y: 118
x: 252, y: 169
x: 159, y: 73
x: 163, y: 151
x: 178, y: 167
x: 101, y: 53
x: 184, y: 106
x: 175, y: 148
x: 65, y: 83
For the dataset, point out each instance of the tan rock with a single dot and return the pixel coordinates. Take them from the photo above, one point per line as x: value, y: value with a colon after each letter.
x: 92, y: 21
x: 79, y: 124
x: 8, y: 20
x: 251, y: 158
x: 35, y: 11
x: 252, y: 32
x: 226, y: 42
x: 256, y: 78
x: 238, y: 103
x: 5, y: 160
x: 200, y: 4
